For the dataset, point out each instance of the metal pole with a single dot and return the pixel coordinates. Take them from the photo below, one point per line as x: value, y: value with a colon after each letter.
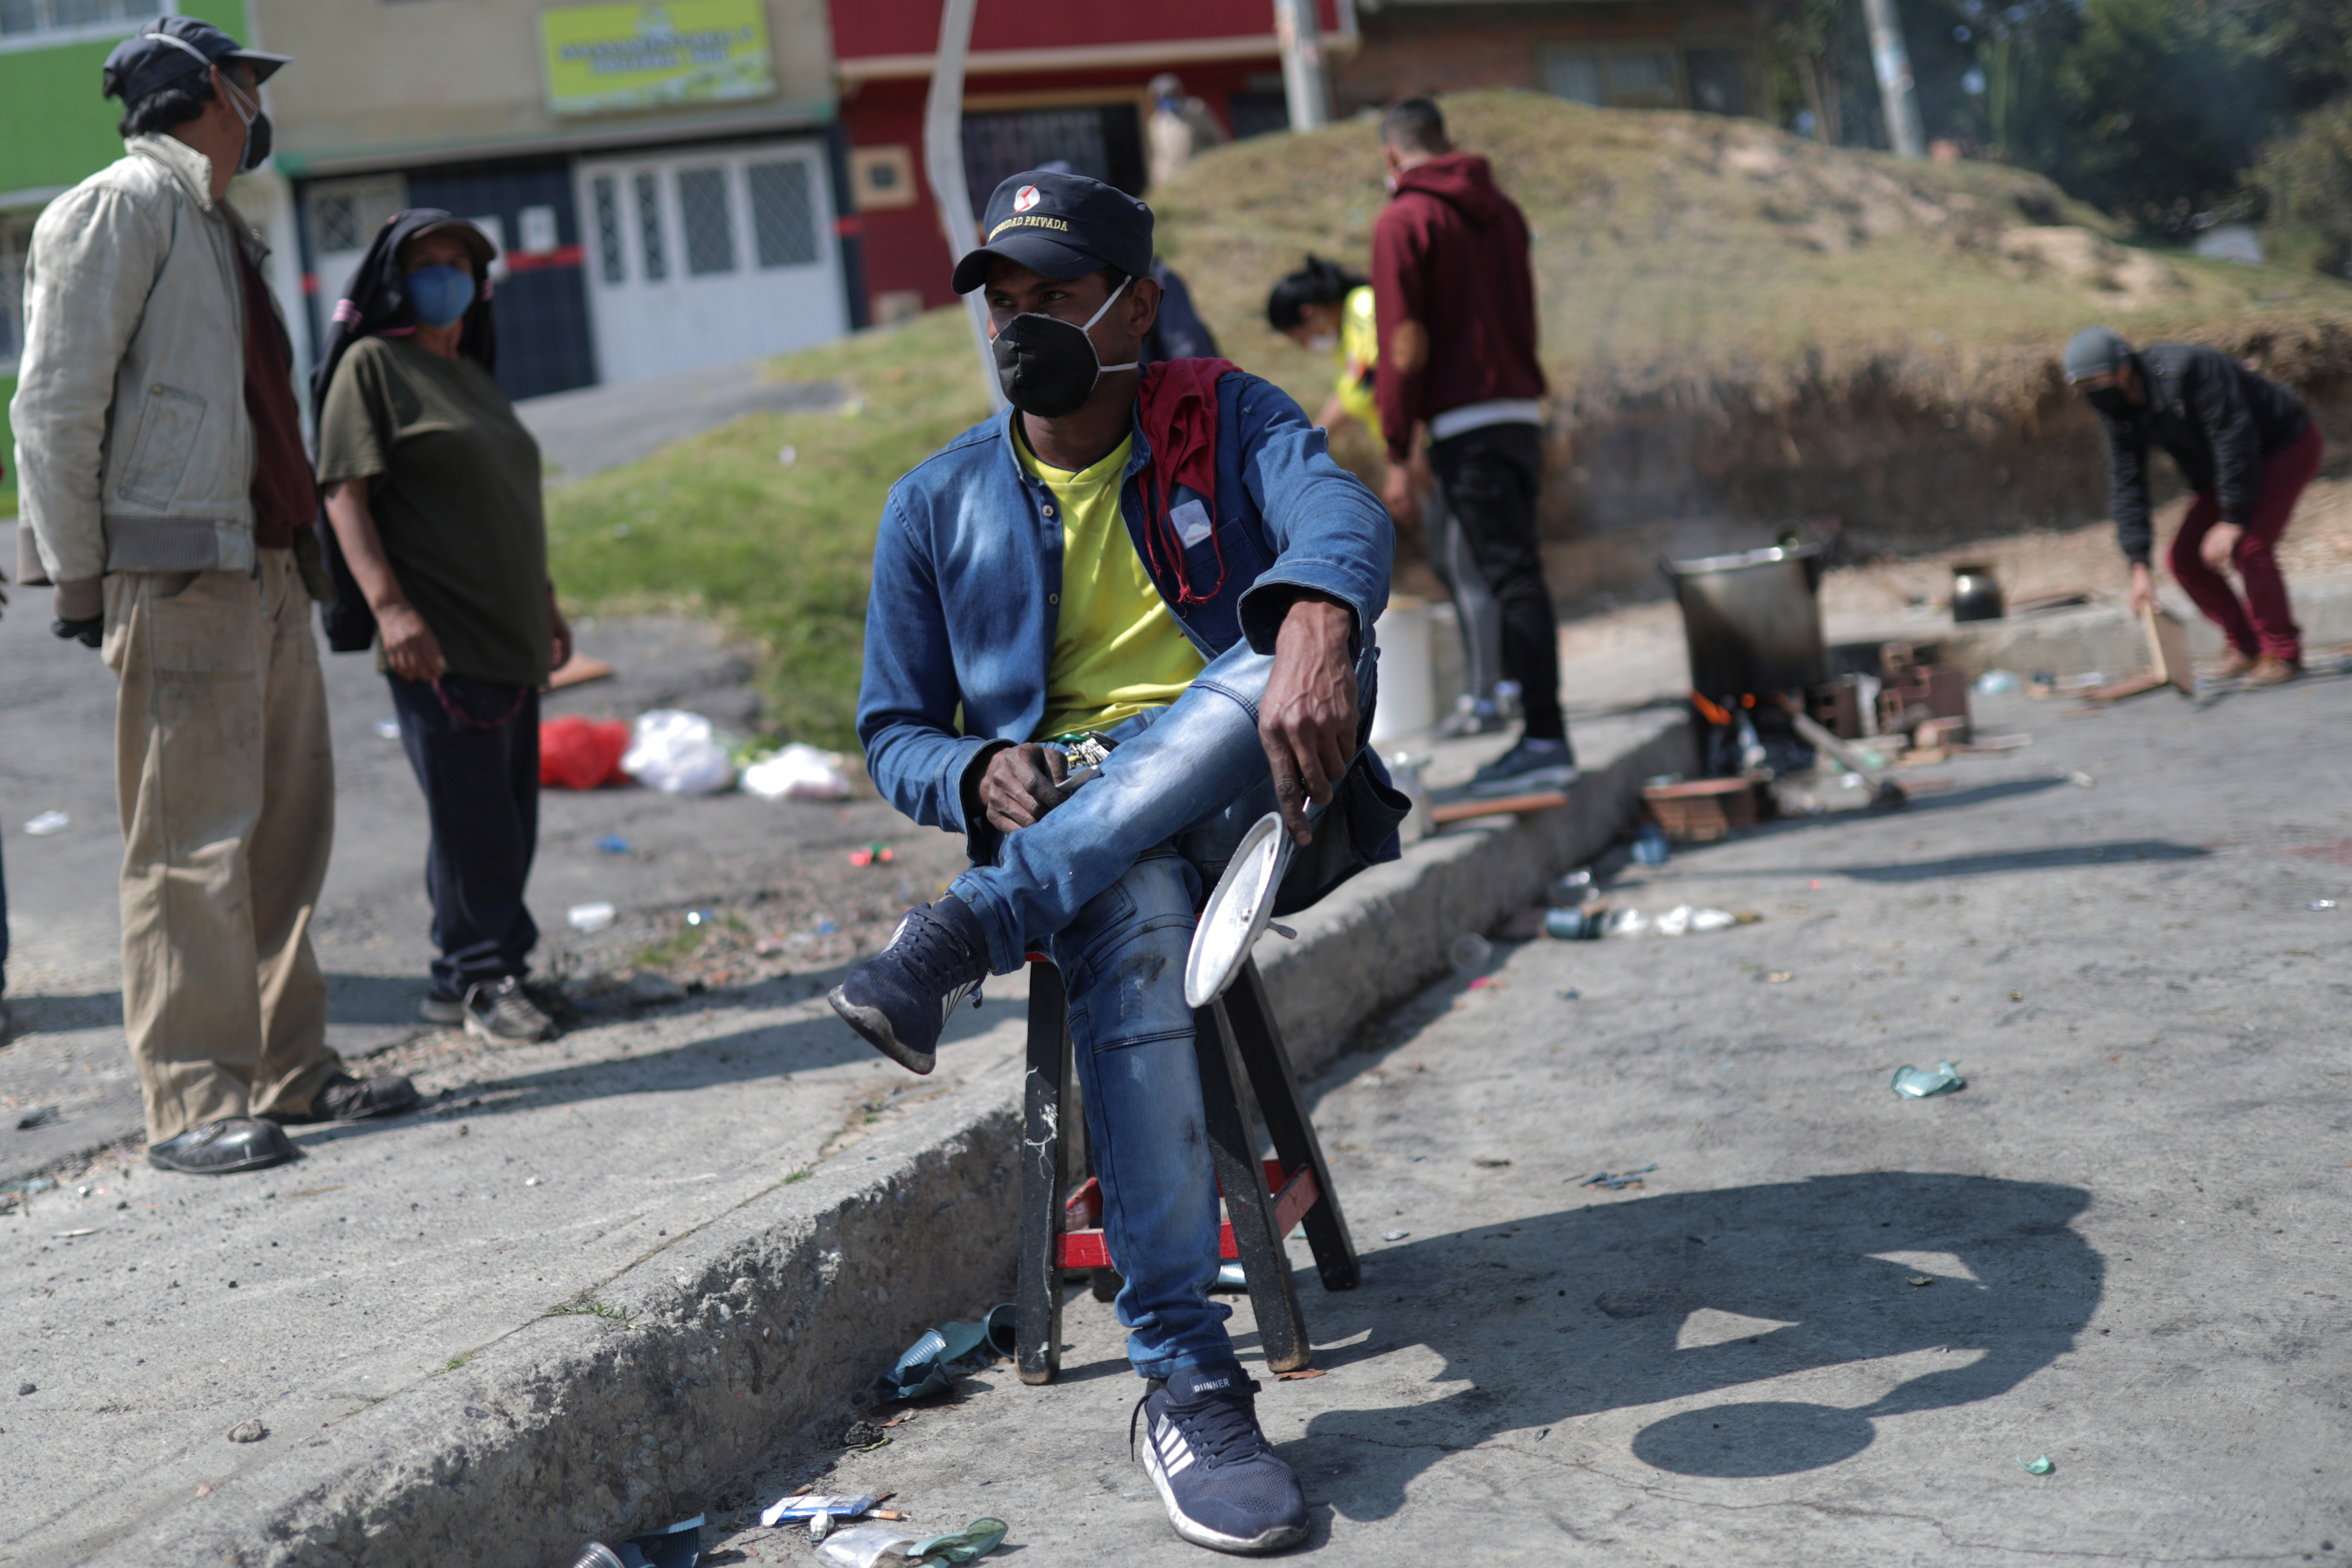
x: 1305, y: 84
x: 943, y: 164
x: 1892, y: 61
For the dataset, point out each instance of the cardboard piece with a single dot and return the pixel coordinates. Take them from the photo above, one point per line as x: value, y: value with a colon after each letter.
x: 578, y: 670
x: 2168, y: 649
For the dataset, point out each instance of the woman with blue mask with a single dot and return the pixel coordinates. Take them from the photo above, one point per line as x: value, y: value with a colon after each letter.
x: 432, y: 488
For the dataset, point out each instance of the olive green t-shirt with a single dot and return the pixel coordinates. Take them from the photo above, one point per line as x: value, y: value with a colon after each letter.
x: 454, y: 488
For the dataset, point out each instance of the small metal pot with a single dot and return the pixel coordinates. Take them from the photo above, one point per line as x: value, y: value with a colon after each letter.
x: 1976, y: 594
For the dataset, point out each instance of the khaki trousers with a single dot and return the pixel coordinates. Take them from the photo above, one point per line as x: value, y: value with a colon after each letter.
x: 226, y: 781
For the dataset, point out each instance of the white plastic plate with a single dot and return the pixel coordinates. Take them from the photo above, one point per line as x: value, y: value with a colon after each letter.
x: 1238, y: 912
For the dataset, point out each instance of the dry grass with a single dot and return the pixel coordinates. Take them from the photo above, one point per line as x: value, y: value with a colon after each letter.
x: 1689, y: 256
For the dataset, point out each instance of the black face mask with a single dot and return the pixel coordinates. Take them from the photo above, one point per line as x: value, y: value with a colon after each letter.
x: 256, y: 144
x: 2111, y: 401
x: 1047, y: 366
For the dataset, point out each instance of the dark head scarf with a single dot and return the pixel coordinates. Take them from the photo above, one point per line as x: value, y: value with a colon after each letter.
x: 377, y: 305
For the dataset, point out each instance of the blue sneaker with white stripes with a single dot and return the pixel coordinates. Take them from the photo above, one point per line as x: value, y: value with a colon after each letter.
x: 1225, y: 1486
x: 899, y: 999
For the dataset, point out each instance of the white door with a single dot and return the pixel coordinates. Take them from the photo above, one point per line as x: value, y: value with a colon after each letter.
x: 709, y: 255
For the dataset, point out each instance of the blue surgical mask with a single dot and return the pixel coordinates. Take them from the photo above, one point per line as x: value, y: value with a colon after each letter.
x: 440, y: 293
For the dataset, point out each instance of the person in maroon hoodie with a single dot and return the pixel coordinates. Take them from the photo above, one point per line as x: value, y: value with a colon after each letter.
x: 1455, y: 301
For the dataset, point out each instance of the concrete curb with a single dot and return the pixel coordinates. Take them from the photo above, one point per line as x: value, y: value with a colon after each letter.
x: 749, y: 1330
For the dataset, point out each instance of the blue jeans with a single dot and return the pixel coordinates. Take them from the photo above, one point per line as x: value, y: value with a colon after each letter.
x: 1110, y: 881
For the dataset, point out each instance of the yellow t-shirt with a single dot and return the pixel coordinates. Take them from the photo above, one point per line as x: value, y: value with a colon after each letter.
x: 1117, y: 650
x: 1357, y: 351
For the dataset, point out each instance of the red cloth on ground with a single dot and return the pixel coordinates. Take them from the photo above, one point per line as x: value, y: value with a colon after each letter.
x: 1177, y: 405
x: 582, y: 754
x: 2263, y: 624
x: 285, y: 491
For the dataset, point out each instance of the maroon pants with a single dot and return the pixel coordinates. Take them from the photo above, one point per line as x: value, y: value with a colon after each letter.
x: 2262, y: 623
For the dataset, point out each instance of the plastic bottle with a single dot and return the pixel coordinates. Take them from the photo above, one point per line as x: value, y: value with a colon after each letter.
x: 596, y: 1555
x: 1573, y: 925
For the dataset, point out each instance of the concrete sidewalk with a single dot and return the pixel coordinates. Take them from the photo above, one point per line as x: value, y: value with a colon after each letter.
x: 1826, y: 1322
x: 598, y: 1275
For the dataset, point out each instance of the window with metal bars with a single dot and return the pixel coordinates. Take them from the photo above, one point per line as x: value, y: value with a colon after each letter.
x: 649, y: 228
x: 783, y: 215
x: 706, y: 216
x: 610, y: 257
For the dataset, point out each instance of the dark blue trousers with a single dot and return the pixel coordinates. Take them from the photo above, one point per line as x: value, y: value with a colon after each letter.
x: 474, y: 745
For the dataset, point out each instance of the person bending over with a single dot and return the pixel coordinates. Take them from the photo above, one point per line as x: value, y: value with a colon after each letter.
x: 1167, y: 570
x: 2245, y: 446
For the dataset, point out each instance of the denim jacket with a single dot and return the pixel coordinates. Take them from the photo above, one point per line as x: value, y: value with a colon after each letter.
x: 968, y: 576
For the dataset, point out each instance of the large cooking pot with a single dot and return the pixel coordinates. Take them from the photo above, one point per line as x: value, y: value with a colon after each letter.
x: 1751, y: 621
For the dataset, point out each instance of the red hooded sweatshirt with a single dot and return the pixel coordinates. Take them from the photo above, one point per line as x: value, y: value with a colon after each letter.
x: 1454, y: 295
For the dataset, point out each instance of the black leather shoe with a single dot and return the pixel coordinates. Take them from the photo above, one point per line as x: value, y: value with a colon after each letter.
x: 222, y: 1147
x: 344, y: 1098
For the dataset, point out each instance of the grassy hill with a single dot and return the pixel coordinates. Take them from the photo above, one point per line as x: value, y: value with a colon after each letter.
x: 1739, y: 325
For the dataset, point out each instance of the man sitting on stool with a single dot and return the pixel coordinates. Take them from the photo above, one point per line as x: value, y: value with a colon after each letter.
x: 1173, y: 565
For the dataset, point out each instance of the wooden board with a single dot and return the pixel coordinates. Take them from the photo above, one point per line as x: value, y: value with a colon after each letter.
x: 578, y: 671
x: 1499, y: 806
x: 2168, y: 649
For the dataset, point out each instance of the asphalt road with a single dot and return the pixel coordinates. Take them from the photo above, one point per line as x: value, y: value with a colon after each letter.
x: 1829, y: 1323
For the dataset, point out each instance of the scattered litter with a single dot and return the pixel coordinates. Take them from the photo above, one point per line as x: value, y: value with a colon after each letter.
x: 1916, y: 1083
x: 388, y: 727
x: 1919, y: 1279
x: 2017, y: 995
x: 2081, y: 779
x: 924, y: 1369
x: 1625, y: 922
x: 798, y: 1509
x: 798, y: 772
x: 1618, y: 1181
x: 25, y: 1388
x: 885, y: 1546
x: 1394, y: 1234
x: 247, y: 1432
x: 49, y: 821
x: 613, y: 844
x: 677, y: 754
x: 871, y: 854
x: 39, y: 1116
x: 701, y: 917
x: 1491, y: 1164
x: 1231, y: 1277
x: 1301, y: 1375
x: 1469, y: 953
x: 787, y: 456
x: 590, y: 917
x: 2038, y: 1465
x: 1683, y: 920
x: 820, y: 1525
x: 1780, y: 977
x: 2323, y: 903
x: 582, y: 754
x: 825, y: 926
x: 1568, y: 993
x: 1650, y: 845
x: 679, y: 1546
x: 1573, y: 925
x: 70, y: 1235
x: 1576, y: 887
x: 1994, y: 682
x: 1485, y: 983
x: 530, y: 1181
x: 648, y: 988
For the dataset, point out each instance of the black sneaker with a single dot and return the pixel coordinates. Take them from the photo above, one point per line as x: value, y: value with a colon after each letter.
x: 344, y: 1098
x: 444, y: 1006
x: 1225, y: 1486
x: 899, y: 999
x: 497, y: 1011
x: 1528, y: 766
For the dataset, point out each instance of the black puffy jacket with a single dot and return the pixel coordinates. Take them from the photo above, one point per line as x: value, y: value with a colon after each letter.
x: 2217, y: 418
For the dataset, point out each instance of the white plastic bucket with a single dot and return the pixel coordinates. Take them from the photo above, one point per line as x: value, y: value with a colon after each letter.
x: 1408, y: 703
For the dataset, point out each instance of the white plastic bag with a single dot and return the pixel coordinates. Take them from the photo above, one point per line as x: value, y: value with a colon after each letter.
x: 798, y: 772
x: 677, y: 754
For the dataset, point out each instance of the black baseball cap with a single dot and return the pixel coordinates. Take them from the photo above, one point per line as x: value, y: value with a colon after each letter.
x: 170, y: 47
x: 1063, y: 225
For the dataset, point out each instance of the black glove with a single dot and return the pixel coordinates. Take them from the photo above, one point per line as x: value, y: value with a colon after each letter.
x: 91, y: 632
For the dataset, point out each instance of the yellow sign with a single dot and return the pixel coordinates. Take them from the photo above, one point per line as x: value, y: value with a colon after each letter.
x: 601, y: 58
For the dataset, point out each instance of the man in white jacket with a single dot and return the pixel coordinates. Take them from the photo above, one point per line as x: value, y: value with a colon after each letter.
x: 167, y: 496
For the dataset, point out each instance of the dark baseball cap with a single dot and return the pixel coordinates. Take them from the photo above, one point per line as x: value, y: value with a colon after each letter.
x: 172, y: 47
x: 1063, y: 225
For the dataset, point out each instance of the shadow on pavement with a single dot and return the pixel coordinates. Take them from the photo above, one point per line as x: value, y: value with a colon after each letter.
x: 2068, y: 858
x: 1578, y: 1312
